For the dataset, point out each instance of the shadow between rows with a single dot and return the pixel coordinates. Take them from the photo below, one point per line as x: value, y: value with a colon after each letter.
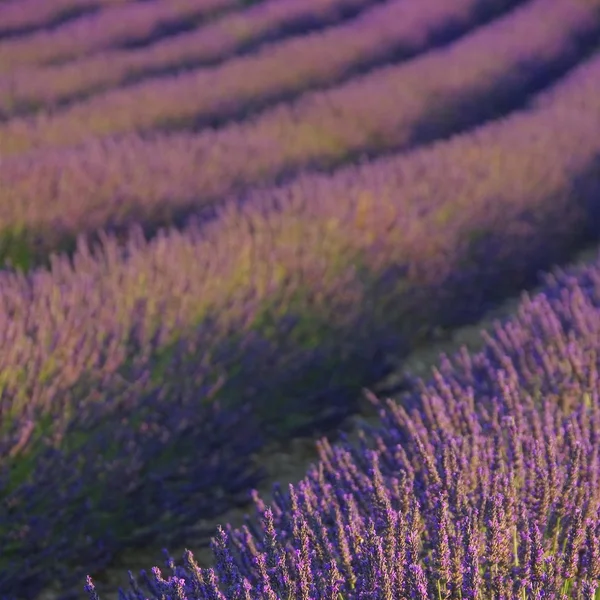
x: 161, y: 31
x: 68, y: 13
x: 179, y: 25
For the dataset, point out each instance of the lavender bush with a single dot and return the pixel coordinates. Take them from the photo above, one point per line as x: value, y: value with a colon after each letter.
x: 48, y: 197
x: 284, y: 305
x: 110, y: 471
x: 208, y: 96
x: 45, y: 87
x: 132, y: 22
x: 484, y: 484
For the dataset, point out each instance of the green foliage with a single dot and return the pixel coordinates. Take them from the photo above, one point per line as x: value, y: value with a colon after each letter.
x: 25, y: 249
x: 15, y: 249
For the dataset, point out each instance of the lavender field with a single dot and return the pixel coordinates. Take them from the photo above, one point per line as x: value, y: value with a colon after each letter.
x: 222, y: 220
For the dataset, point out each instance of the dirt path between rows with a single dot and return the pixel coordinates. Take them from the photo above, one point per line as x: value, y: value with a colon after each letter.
x: 288, y: 462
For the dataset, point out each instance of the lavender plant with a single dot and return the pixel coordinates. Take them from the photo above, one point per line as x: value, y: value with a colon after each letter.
x: 292, y: 299
x: 484, y: 484
x: 46, y: 87
x: 157, y: 181
x: 208, y: 96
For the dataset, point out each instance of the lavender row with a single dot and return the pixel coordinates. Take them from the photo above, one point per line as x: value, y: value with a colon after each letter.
x: 205, y: 97
x: 34, y: 88
x: 284, y: 305
x: 122, y: 24
x: 48, y: 197
x: 482, y: 485
x: 17, y: 16
x: 173, y: 459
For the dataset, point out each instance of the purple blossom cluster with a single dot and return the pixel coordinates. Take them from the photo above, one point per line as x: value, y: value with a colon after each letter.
x: 33, y: 88
x: 205, y: 97
x: 122, y: 363
x: 160, y: 179
x: 484, y: 483
x: 119, y: 24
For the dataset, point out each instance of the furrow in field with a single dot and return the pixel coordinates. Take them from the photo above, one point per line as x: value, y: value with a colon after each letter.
x: 46, y: 198
x: 121, y: 25
x: 287, y: 302
x: 36, y: 88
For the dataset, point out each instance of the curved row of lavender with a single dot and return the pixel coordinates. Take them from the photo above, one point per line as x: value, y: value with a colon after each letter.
x: 484, y: 484
x: 33, y: 88
x: 116, y: 25
x: 284, y: 307
x: 18, y: 16
x: 205, y: 97
x: 47, y: 198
